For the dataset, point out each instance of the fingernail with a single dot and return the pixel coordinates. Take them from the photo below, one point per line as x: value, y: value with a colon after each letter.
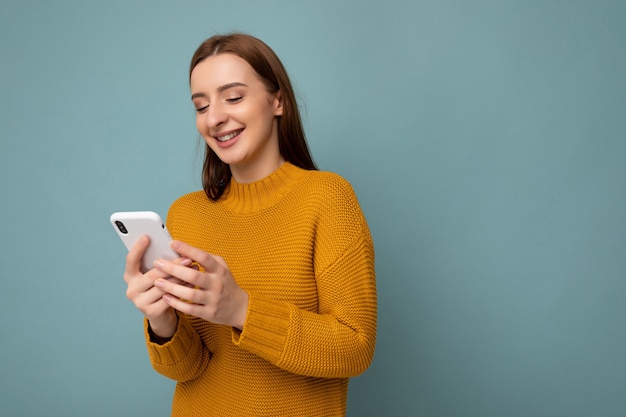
x: 159, y: 283
x: 159, y: 264
x: 186, y: 262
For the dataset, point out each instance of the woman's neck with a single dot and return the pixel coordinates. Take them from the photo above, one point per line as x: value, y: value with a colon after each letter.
x: 249, y: 173
x: 254, y: 196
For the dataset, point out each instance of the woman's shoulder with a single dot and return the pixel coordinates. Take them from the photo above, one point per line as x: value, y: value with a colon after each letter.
x: 337, y: 208
x: 328, y: 180
x: 329, y: 184
x: 193, y: 197
x: 328, y: 194
x: 189, y: 202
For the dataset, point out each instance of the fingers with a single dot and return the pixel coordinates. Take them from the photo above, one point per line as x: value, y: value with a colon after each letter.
x: 141, y: 290
x: 138, y: 282
x: 133, y: 258
x: 181, y: 291
x: 197, y: 302
x: 144, y: 299
x: 206, y: 260
x: 187, y: 285
x: 211, y: 294
x: 207, y: 312
x: 188, y: 275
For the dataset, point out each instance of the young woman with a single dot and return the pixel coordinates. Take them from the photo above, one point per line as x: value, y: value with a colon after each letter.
x: 272, y: 305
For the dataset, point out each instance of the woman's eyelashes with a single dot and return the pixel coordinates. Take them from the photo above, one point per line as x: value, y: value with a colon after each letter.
x: 231, y: 100
x: 202, y: 109
x: 234, y: 100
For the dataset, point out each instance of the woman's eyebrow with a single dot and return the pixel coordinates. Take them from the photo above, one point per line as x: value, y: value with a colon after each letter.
x: 220, y: 89
x: 230, y: 85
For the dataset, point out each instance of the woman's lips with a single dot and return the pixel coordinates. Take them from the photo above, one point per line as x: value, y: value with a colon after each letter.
x: 228, y: 136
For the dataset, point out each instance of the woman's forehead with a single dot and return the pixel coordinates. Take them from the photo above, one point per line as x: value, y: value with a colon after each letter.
x: 222, y: 69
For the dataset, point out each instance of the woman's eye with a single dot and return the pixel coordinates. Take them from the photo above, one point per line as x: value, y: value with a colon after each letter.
x: 202, y: 109
x: 234, y: 99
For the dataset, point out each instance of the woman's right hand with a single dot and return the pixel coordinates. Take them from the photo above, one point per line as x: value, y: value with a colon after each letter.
x: 146, y: 297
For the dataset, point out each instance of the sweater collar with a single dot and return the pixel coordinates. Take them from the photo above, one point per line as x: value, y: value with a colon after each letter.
x: 262, y: 194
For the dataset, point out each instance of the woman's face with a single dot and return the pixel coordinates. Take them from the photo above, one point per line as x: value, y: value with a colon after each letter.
x: 236, y: 116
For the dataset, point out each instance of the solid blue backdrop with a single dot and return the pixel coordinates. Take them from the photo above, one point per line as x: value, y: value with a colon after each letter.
x: 485, y: 140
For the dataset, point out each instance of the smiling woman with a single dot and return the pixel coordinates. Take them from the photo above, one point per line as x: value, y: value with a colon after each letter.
x: 237, y: 116
x: 272, y: 305
x: 269, y: 70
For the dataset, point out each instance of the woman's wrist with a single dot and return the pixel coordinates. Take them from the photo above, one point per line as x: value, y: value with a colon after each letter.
x: 158, y: 339
x: 163, y: 331
x: 240, y: 318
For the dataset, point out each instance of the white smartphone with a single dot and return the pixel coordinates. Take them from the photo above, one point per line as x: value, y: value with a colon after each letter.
x: 131, y: 225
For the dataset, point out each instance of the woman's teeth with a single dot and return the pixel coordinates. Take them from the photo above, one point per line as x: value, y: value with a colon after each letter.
x: 228, y: 137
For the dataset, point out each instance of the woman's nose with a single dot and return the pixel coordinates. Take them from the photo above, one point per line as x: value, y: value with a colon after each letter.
x: 216, y: 116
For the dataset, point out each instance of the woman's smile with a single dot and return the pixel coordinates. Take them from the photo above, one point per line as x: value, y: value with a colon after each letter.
x: 228, y: 136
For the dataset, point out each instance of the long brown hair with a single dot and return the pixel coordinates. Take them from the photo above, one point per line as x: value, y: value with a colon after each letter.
x: 292, y: 143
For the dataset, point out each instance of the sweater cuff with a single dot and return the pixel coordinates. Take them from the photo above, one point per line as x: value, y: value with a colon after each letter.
x: 265, y: 329
x: 176, y: 349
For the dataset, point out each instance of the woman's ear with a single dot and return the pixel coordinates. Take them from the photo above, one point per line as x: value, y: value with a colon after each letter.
x: 278, y: 103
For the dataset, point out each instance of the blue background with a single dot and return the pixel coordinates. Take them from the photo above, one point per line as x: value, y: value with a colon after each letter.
x: 485, y: 140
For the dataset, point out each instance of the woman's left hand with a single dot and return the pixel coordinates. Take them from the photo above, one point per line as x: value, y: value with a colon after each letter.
x: 212, y: 294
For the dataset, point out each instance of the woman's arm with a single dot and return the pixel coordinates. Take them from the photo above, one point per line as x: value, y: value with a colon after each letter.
x: 181, y: 358
x: 338, y: 341
x: 184, y: 347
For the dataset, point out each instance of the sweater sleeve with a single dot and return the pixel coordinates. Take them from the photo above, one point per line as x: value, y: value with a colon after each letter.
x: 182, y: 358
x: 337, y: 341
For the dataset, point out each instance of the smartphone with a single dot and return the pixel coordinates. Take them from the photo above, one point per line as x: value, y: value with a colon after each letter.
x: 131, y: 225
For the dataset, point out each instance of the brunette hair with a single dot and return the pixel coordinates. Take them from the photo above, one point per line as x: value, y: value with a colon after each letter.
x: 292, y: 143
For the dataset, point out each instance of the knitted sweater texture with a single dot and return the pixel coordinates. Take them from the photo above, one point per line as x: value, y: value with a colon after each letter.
x: 299, y: 244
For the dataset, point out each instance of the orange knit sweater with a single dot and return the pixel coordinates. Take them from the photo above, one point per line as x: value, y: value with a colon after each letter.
x: 298, y: 243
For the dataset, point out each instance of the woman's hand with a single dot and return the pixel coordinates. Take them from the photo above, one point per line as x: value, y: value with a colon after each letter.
x: 146, y: 297
x: 212, y: 294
